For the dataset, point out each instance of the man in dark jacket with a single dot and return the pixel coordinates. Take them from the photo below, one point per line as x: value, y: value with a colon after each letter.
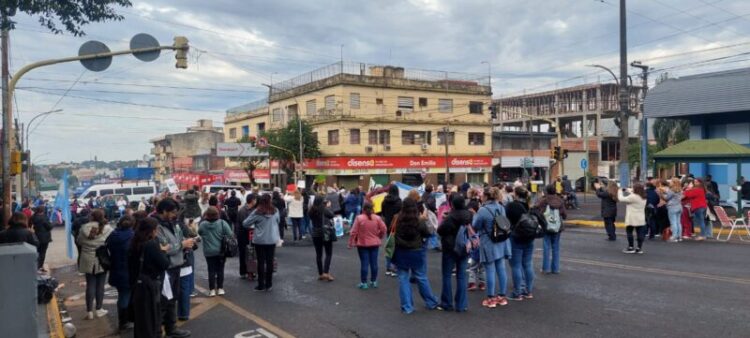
x: 652, y: 201
x: 18, y: 231
x: 43, y: 231
x: 609, y: 210
x: 232, y: 205
x: 242, y: 233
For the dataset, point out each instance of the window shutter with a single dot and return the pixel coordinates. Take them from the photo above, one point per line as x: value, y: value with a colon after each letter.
x: 330, y: 103
x: 445, y: 105
x: 311, y: 107
x: 354, y: 100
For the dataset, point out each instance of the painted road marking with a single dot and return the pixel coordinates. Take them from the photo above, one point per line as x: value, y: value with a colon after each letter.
x: 257, y: 333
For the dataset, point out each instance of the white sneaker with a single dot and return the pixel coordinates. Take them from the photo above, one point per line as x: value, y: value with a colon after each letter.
x: 212, y: 293
x: 220, y: 292
x: 101, y: 313
x: 90, y: 315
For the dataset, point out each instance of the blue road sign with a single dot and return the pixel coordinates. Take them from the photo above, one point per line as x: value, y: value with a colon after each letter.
x: 584, y: 164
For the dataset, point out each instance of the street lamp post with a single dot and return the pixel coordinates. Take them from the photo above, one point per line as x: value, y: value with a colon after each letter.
x: 28, y: 125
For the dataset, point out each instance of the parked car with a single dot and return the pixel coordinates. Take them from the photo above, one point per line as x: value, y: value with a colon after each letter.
x: 601, y: 179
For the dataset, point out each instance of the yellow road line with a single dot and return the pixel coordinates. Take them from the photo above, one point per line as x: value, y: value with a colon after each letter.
x: 620, y: 225
x: 240, y: 311
x: 673, y: 273
x: 53, y: 319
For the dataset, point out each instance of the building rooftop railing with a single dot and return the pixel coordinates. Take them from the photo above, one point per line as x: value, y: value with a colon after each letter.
x: 252, y: 106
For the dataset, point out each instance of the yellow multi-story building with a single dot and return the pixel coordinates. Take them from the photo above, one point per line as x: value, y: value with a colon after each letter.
x: 382, y: 122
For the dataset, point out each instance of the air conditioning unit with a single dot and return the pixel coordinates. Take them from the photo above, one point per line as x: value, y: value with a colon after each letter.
x: 368, y: 149
x: 387, y: 147
x: 425, y: 146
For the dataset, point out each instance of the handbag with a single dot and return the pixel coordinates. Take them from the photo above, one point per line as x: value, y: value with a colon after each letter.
x: 229, y: 246
x: 329, y: 231
x: 666, y: 234
x: 102, y: 255
x: 390, y: 243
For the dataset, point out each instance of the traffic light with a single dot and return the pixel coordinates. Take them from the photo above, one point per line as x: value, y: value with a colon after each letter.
x: 15, y: 163
x: 25, y: 161
x: 565, y: 153
x: 493, y: 111
x: 181, y: 48
x: 556, y: 153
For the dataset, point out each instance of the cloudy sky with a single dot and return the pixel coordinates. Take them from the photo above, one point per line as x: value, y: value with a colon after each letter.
x: 532, y: 45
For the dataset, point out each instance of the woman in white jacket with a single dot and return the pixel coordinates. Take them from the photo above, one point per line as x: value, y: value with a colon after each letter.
x: 635, y: 216
x: 294, y: 206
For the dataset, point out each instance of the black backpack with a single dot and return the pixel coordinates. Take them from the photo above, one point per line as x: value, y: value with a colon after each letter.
x: 500, y: 228
x: 529, y: 226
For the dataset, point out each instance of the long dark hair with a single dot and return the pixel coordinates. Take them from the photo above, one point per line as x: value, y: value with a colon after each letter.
x: 264, y: 206
x: 367, y: 209
x: 409, y: 214
x: 144, y: 232
x: 318, y: 207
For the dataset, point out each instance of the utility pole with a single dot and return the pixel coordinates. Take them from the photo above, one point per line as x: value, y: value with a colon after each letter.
x: 447, y: 163
x: 300, y: 176
x: 624, y: 167
x: 7, y: 125
x: 644, y: 121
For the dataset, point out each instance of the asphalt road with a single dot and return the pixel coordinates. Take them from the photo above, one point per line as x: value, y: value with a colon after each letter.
x: 674, y: 289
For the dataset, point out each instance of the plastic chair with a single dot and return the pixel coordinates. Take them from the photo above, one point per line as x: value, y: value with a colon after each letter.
x: 726, y: 222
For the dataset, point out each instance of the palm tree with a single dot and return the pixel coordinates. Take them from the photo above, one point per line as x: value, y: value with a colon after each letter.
x: 669, y: 132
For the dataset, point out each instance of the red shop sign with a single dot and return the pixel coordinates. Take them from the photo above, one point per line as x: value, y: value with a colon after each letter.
x: 397, y: 162
x: 240, y: 175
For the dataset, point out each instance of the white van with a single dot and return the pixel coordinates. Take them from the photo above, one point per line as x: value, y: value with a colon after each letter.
x: 213, y: 189
x: 133, y: 191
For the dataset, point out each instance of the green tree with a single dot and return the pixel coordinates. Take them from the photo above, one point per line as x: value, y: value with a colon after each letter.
x: 72, y: 181
x: 249, y: 164
x: 288, y: 139
x: 59, y: 16
x: 56, y: 173
x: 634, y: 155
x: 668, y: 132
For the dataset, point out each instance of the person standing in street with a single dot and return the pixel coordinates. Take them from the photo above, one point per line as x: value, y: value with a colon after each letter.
x: 521, y: 262
x: 147, y: 264
x: 43, y: 230
x: 448, y: 230
x: 608, y: 207
x: 243, y: 235
x: 695, y: 195
x: 192, y: 208
x: 118, y: 243
x: 92, y: 236
x: 321, y: 216
x: 390, y: 207
x: 232, y: 204
x: 213, y: 230
x: 295, y: 202
x: 553, y: 207
x: 673, y: 196
x: 367, y: 235
x: 265, y: 222
x: 280, y: 205
x: 635, y: 216
x: 171, y: 235
x: 410, y: 256
x: 18, y: 231
x: 492, y: 254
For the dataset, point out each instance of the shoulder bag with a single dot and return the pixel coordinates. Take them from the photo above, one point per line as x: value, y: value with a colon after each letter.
x: 390, y: 243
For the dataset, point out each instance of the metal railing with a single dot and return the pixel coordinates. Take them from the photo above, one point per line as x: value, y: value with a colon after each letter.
x: 252, y: 106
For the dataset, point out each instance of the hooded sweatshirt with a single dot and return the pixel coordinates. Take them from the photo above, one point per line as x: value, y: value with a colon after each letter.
x: 391, y: 206
x: 212, y: 233
x: 452, y: 222
x: 266, y: 227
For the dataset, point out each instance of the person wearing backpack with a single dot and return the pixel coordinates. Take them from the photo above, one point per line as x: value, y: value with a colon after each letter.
x: 493, y: 249
x: 454, y: 256
x: 212, y: 230
x: 522, y: 243
x: 553, y: 207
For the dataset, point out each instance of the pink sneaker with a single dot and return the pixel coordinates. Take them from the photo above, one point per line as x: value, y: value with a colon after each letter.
x: 489, y: 303
x: 502, y: 301
x: 472, y: 287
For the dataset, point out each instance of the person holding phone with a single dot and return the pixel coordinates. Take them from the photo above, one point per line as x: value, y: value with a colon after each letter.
x: 608, y: 207
x: 635, y: 216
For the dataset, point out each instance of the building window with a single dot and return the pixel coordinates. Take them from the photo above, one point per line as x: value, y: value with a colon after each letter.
x: 610, y: 150
x: 423, y: 102
x: 379, y: 101
x: 476, y: 107
x: 415, y: 137
x: 405, y: 104
x: 445, y: 105
x: 354, y: 100
x: 276, y: 115
x: 261, y: 128
x: 311, y: 107
x: 353, y: 136
x: 330, y: 103
x: 315, y: 136
x: 384, y: 137
x: 451, y: 138
x: 232, y: 133
x: 291, y: 112
x: 245, y: 131
x: 476, y: 139
x: 372, y: 137
x: 333, y: 137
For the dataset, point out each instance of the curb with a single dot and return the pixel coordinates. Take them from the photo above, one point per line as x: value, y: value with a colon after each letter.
x: 621, y: 225
x: 53, y: 319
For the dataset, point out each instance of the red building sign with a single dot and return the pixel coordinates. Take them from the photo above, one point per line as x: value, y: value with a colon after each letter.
x: 397, y: 162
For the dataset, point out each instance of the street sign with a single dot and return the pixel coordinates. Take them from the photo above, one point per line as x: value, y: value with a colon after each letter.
x: 95, y: 47
x: 262, y: 142
x: 584, y: 164
x: 238, y: 150
x: 143, y: 40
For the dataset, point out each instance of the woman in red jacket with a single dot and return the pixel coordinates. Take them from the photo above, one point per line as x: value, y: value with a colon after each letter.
x: 367, y: 234
x: 695, y: 194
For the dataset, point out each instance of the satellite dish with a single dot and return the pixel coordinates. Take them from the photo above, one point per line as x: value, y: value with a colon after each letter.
x: 143, y: 40
x: 95, y: 47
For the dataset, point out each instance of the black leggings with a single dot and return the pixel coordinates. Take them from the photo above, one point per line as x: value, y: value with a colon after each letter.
x: 319, y: 244
x: 41, y: 250
x: 215, y: 272
x: 609, y: 225
x: 95, y: 289
x: 640, y: 231
x: 264, y: 254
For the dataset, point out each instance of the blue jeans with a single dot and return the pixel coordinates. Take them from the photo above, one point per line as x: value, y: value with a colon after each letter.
x: 404, y: 288
x: 699, y: 218
x: 675, y: 223
x: 522, y: 266
x: 551, y: 252
x: 495, y: 271
x: 123, y: 298
x: 183, y: 302
x: 451, y: 260
x: 305, y: 226
x: 368, y: 259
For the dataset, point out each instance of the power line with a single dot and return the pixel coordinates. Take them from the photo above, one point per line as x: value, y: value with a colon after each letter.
x: 149, y: 85
x: 57, y: 103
